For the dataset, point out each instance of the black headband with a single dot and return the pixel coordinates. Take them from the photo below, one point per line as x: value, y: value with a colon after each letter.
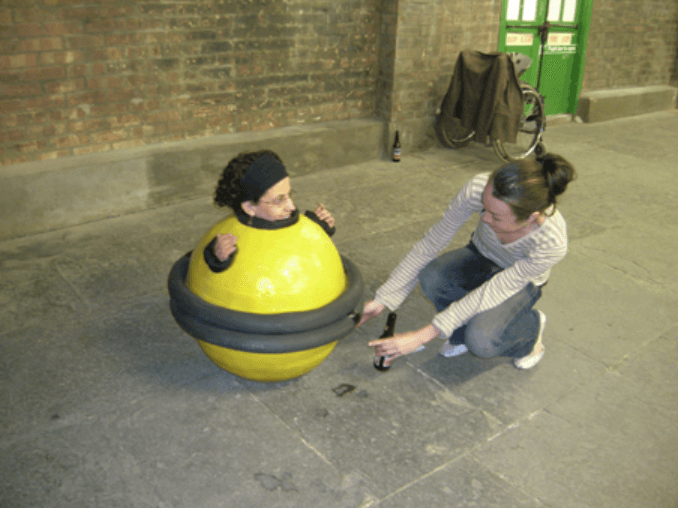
x: 263, y: 173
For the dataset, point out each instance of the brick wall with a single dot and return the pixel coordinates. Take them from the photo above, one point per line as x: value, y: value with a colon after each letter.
x: 82, y: 76
x: 388, y: 32
x: 421, y: 50
x: 431, y: 33
x: 632, y: 43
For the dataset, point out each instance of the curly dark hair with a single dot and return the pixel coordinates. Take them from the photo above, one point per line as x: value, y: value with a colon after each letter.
x: 228, y: 191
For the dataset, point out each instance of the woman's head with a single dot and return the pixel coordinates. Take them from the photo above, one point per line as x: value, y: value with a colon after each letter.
x: 256, y: 184
x: 531, y: 185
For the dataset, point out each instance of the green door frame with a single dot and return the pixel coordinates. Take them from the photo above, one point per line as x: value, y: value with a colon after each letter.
x: 531, y: 46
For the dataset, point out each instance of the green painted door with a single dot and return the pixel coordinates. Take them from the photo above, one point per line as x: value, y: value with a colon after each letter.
x: 553, y: 34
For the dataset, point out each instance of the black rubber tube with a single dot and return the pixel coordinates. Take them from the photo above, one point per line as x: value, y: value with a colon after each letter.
x: 259, y: 343
x: 292, y: 322
x: 286, y: 332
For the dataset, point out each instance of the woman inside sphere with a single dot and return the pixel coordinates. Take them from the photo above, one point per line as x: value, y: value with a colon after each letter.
x: 255, y: 185
x: 484, y: 293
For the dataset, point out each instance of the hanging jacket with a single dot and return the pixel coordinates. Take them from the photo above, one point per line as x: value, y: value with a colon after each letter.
x: 485, y: 96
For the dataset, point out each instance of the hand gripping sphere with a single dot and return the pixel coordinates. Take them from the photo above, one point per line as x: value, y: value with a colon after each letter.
x: 279, y: 309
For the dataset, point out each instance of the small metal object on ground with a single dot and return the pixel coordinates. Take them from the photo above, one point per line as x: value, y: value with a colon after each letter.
x: 343, y: 389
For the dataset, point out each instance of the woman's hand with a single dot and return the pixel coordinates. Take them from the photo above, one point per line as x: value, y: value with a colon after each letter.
x: 370, y: 310
x: 324, y: 215
x: 225, y: 246
x: 404, y: 343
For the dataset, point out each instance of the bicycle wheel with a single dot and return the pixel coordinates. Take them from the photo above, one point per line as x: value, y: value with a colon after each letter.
x: 452, y: 134
x: 532, y: 124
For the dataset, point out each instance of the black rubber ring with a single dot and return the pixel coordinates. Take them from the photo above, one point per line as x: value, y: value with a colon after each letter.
x: 258, y: 343
x: 260, y: 333
x: 187, y: 303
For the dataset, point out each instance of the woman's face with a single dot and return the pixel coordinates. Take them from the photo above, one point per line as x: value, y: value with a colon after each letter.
x: 275, y: 204
x: 499, y: 216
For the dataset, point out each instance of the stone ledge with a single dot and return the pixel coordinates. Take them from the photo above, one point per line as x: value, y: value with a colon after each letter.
x: 602, y: 105
x: 47, y: 195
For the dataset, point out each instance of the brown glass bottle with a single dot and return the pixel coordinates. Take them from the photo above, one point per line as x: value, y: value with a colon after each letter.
x: 396, y: 148
x: 389, y: 330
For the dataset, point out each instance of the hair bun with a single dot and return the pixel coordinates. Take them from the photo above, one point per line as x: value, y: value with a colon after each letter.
x: 558, y: 172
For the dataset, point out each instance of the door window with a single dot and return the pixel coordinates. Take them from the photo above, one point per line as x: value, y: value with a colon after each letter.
x: 529, y: 10
x: 524, y: 10
x: 562, y: 11
x: 554, y: 10
x: 569, y: 11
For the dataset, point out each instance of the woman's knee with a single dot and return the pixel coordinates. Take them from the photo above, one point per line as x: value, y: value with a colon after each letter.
x: 482, y: 340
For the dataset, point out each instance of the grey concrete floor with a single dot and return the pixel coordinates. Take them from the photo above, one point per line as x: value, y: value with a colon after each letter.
x: 105, y: 401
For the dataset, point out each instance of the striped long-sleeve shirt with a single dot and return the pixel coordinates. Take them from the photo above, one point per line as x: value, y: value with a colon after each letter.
x: 528, y: 259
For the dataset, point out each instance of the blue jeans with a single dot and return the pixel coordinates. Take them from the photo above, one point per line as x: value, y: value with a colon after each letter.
x: 509, y: 329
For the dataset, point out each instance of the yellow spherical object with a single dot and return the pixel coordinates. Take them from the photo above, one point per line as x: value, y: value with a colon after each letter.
x: 290, y: 269
x: 267, y: 367
x: 278, y: 310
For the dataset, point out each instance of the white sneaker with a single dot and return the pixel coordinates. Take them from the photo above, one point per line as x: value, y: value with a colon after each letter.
x: 529, y: 361
x: 450, y: 351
